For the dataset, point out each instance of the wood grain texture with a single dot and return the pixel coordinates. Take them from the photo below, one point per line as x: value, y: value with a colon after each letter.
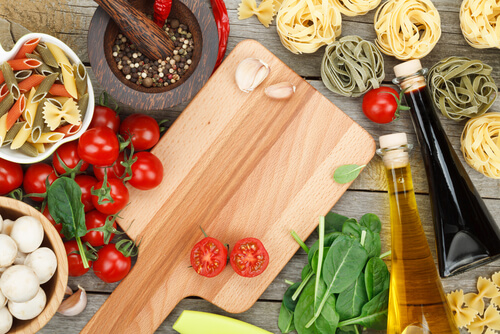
x: 55, y: 287
x: 255, y: 167
x: 102, y: 34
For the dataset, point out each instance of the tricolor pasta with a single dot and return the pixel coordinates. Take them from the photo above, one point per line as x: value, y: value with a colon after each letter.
x: 43, y: 97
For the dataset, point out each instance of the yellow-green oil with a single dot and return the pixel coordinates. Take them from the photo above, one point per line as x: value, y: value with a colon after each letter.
x: 417, y: 303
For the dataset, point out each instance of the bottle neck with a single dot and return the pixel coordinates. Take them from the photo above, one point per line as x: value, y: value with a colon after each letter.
x: 395, y: 157
x: 412, y: 82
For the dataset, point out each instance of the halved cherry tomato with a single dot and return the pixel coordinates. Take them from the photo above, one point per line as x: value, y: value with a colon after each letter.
x: 119, y: 194
x: 75, y: 263
x: 104, y: 116
x: 209, y: 257
x: 144, y: 129
x: 147, y: 171
x: 68, y: 153
x: 99, y: 146
x: 34, y: 179
x: 11, y: 176
x: 95, y: 219
x: 111, y: 265
x: 249, y: 258
x: 49, y: 217
x: 114, y: 172
x: 86, y: 182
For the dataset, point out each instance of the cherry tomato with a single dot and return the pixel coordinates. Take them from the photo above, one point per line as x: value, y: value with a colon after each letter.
x: 111, y: 265
x: 249, y: 258
x: 94, y: 219
x: 75, y: 263
x: 380, y: 106
x: 104, y: 116
x: 99, y: 146
x: 11, y: 176
x: 86, y: 182
x: 144, y: 129
x: 147, y: 171
x: 119, y: 193
x: 114, y: 172
x: 34, y: 179
x: 209, y: 257
x: 47, y: 215
x: 69, y: 155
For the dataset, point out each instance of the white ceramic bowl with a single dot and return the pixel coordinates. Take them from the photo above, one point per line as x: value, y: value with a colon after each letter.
x: 14, y: 156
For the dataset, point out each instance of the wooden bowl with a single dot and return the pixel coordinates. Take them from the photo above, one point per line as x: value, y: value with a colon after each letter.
x: 54, y: 289
x: 193, y: 13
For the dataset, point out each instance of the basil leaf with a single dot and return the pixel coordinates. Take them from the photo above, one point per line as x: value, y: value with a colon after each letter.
x: 372, y: 222
x: 288, y: 302
x: 285, y: 320
x: 66, y: 207
x: 377, y: 277
x: 334, y: 222
x: 347, y: 173
x: 351, y: 301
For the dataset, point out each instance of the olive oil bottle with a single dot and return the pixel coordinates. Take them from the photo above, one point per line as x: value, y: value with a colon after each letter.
x: 417, y: 303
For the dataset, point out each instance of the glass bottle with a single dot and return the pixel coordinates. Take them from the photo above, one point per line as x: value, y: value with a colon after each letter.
x: 466, y: 234
x: 417, y: 303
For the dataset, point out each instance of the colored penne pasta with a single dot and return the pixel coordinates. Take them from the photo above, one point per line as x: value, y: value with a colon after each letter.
x: 33, y: 81
x: 10, y: 80
x: 3, y: 128
x: 40, y: 147
x: 28, y: 47
x: 83, y: 104
x: 44, y: 87
x: 22, y: 75
x: 6, y: 104
x: 31, y: 107
x: 46, y: 55
x: 24, y: 64
x: 18, y: 30
x: 12, y: 132
x: 38, y: 124
x: 3, y: 92
x: 80, y: 78
x: 59, y: 90
x: 2, y: 79
x: 49, y: 137
x: 56, y: 102
x: 67, y: 70
x: 22, y: 135
x: 16, y: 111
x: 69, y: 129
x: 43, y: 69
x: 28, y: 149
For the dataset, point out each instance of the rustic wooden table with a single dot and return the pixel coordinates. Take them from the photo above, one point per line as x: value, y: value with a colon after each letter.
x: 69, y: 20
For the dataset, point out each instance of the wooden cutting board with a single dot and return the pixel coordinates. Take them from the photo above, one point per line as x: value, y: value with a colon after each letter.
x: 239, y: 165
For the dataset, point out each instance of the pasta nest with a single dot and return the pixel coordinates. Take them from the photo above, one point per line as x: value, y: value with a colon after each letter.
x: 407, y: 29
x: 480, y: 144
x: 352, y: 66
x: 462, y: 88
x: 355, y: 7
x: 306, y: 25
x: 478, y: 21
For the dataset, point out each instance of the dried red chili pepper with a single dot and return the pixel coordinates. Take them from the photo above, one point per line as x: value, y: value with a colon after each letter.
x: 222, y: 20
x: 162, y: 10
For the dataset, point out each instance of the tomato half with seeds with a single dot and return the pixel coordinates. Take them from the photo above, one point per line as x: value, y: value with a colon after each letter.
x: 249, y: 258
x: 209, y: 257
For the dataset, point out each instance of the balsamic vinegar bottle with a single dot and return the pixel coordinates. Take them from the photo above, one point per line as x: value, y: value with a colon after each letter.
x: 417, y: 303
x: 467, y: 236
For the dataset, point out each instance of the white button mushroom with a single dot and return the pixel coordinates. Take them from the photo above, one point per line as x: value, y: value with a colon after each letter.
x: 20, y: 258
x: 19, y: 283
x: 30, y: 309
x: 3, y: 300
x: 44, y: 262
x: 7, y: 226
x: 5, y: 320
x: 27, y: 232
x: 8, y: 250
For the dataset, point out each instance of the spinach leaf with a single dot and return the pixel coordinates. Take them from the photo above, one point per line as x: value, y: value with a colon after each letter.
x: 351, y: 329
x: 347, y: 173
x: 371, y: 240
x: 334, y: 222
x: 288, y: 302
x: 314, y: 262
x: 377, y: 277
x: 374, y: 313
x: 305, y: 272
x: 372, y: 222
x: 285, y: 320
x: 351, y: 300
x: 329, y: 239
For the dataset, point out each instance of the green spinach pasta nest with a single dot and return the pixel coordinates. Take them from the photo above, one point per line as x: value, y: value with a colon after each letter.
x: 462, y: 88
x: 352, y: 66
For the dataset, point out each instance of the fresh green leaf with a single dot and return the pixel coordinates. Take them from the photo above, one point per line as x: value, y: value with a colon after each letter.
x: 376, y: 277
x: 314, y: 263
x: 285, y: 320
x: 374, y: 313
x: 319, y: 262
x: 329, y: 239
x: 306, y: 271
x: 351, y: 301
x: 371, y: 243
x: 302, y: 285
x: 334, y: 222
x: 288, y: 302
x: 347, y: 173
x: 372, y: 222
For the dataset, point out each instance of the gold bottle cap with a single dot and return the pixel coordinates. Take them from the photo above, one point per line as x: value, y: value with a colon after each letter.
x: 407, y: 68
x: 393, y: 140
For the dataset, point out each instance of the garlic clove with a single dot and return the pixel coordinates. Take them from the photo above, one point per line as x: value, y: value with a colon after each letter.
x: 68, y: 291
x: 74, y: 304
x: 250, y: 73
x: 280, y: 91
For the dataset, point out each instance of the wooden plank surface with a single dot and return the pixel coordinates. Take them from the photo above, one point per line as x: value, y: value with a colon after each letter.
x: 69, y: 20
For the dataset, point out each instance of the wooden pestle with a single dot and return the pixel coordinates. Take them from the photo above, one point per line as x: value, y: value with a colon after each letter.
x: 150, y: 39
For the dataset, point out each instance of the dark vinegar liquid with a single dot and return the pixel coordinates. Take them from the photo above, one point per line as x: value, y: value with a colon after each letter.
x: 466, y: 233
